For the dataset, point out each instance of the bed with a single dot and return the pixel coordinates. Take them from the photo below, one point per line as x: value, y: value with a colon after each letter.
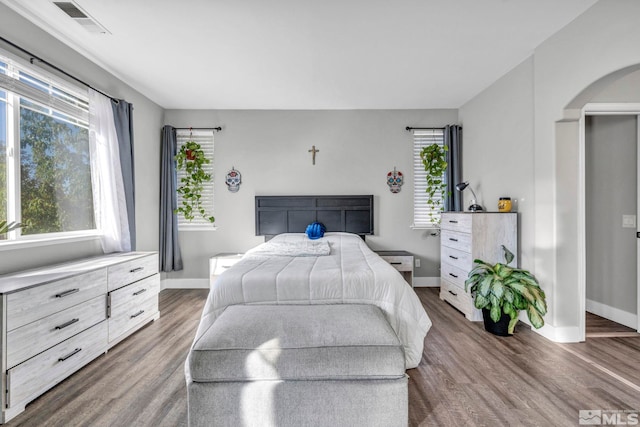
x: 362, y: 327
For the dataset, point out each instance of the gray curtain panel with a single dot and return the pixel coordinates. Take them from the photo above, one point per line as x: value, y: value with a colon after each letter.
x: 170, y: 256
x: 453, y: 140
x: 123, y: 118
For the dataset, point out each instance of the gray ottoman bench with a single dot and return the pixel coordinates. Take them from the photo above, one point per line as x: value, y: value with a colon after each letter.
x: 298, y: 365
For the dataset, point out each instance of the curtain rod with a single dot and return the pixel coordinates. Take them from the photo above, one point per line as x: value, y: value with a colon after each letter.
x: 34, y: 57
x: 217, y: 128
x: 410, y: 128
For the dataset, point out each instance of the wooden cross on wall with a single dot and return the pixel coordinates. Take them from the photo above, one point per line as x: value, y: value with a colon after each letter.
x: 313, y: 152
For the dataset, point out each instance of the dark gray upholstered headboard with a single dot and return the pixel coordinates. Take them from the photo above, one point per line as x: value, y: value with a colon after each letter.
x: 292, y: 214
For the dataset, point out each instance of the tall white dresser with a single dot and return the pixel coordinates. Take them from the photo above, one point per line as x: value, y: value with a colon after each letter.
x: 56, y: 319
x: 466, y: 236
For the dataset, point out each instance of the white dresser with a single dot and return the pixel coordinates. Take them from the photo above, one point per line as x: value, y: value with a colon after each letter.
x: 467, y: 236
x: 58, y: 318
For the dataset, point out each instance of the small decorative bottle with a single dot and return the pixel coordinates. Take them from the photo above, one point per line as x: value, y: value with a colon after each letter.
x: 504, y: 204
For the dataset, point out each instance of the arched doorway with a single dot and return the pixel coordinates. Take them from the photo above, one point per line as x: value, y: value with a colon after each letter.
x: 604, y: 103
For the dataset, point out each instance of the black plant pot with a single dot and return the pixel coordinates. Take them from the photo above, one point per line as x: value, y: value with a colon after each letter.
x: 500, y: 328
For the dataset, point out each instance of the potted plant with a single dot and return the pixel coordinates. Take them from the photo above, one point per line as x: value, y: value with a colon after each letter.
x: 434, y: 159
x: 502, y: 291
x: 191, y: 159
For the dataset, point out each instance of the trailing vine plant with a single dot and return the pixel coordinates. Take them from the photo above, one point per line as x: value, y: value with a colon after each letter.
x: 435, y: 163
x: 191, y: 159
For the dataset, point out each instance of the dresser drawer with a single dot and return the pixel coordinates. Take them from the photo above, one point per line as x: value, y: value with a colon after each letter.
x: 133, y: 294
x: 36, y: 337
x: 456, y: 222
x: 453, y: 274
x: 127, y: 317
x: 133, y: 305
x: 131, y: 271
x: 456, y: 258
x: 456, y: 240
x: 41, y: 301
x: 455, y: 296
x: 400, y: 263
x: 33, y: 377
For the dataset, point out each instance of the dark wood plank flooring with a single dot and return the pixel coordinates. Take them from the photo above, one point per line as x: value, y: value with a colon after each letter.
x: 599, y: 327
x: 470, y: 377
x: 466, y: 377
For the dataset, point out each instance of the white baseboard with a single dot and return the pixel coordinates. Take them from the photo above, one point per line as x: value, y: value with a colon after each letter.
x: 561, y: 334
x: 184, y: 284
x: 625, y: 318
x: 426, y: 282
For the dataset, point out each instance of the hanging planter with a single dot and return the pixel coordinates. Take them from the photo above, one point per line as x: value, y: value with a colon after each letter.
x: 191, y: 160
x: 434, y: 159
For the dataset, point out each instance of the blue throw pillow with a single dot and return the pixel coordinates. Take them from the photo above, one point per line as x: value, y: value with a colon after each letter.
x: 315, y: 230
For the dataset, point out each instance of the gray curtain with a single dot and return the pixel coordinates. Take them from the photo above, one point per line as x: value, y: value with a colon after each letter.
x: 453, y: 140
x: 170, y: 257
x: 123, y: 118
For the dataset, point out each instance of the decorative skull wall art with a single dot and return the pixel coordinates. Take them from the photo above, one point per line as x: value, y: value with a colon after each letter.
x: 233, y: 180
x: 395, y: 179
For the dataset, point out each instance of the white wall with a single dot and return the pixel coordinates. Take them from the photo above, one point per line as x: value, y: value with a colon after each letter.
x: 603, y: 40
x: 625, y: 89
x: 270, y: 149
x: 147, y: 124
x: 498, y: 149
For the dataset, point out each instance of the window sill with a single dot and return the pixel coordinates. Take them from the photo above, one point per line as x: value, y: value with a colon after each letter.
x: 33, y: 242
x: 198, y: 228
x: 424, y: 227
x: 433, y: 230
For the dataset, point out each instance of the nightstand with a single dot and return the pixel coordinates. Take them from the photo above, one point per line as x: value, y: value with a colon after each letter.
x: 219, y: 263
x: 401, y: 261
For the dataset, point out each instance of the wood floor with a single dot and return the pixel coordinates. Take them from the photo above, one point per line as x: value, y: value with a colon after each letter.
x: 466, y: 377
x: 599, y: 327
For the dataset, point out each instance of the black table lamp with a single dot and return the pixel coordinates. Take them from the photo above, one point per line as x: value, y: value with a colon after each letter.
x: 474, y: 205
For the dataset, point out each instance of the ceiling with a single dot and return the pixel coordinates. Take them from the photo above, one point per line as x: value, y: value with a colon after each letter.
x: 307, y: 54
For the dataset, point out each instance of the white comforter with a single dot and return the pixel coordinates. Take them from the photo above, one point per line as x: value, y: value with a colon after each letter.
x: 350, y: 274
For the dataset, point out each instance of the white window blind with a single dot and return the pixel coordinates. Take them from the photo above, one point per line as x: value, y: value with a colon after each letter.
x: 205, y: 139
x: 43, y: 92
x: 421, y: 210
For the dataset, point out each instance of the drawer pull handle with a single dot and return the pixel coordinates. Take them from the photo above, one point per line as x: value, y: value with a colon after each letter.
x: 395, y: 263
x: 67, y: 293
x: 76, y: 351
x: 141, y: 291
x: 69, y: 323
x: 135, y: 270
x: 453, y: 293
x: 453, y: 221
x: 452, y: 239
x: 453, y: 257
x: 137, y: 314
x: 453, y: 275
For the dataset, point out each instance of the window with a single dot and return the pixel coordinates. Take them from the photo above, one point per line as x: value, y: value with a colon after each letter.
x: 45, y: 175
x: 422, y: 212
x: 205, y: 139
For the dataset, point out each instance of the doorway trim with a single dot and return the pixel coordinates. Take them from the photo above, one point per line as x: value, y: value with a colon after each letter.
x: 595, y: 109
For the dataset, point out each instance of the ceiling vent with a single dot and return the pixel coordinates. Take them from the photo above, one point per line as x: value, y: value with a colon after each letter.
x: 81, y: 17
